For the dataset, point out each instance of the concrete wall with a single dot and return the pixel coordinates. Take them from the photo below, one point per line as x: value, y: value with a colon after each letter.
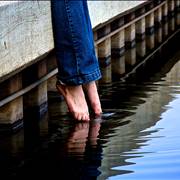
x: 25, y: 34
x: 102, y: 11
x: 26, y: 29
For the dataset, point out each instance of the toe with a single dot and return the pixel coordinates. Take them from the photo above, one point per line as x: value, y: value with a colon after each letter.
x: 86, y: 117
x: 75, y: 115
x: 98, y: 111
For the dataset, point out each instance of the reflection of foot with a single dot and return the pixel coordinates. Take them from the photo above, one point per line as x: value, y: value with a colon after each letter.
x: 77, y: 140
x: 94, y: 133
x: 75, y: 100
x: 80, y: 132
x: 93, y: 96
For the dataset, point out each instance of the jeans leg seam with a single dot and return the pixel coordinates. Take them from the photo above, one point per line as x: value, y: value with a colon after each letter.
x: 69, y: 16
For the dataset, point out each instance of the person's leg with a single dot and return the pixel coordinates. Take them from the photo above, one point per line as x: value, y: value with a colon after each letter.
x: 74, y: 47
x: 91, y: 88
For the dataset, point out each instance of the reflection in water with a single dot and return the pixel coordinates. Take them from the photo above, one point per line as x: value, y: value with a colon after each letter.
x: 136, y: 137
x: 146, y: 144
x: 79, y: 153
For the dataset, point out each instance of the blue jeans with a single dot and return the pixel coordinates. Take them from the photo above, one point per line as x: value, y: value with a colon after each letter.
x: 74, y: 43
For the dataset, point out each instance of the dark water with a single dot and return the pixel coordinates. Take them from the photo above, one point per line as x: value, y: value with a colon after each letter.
x: 136, y: 138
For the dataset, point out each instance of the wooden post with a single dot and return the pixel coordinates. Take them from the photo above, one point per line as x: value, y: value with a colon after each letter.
x: 158, y: 25
x: 140, y: 35
x: 130, y: 56
x: 95, y: 35
x: 141, y: 49
x: 51, y: 84
x: 117, y: 53
x: 171, y: 7
x: 177, y: 4
x: 171, y: 24
x: 165, y: 19
x: 177, y: 15
x: 171, y: 13
x: 130, y: 42
x: 141, y: 27
x: 104, y: 56
x: 95, y: 46
x: 51, y: 65
x: 11, y: 114
x: 36, y: 99
x: 158, y: 35
x: 158, y: 17
x: 150, y: 42
x: 165, y: 11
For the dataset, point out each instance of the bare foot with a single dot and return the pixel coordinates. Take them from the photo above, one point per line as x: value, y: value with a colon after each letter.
x: 75, y: 100
x: 92, y: 93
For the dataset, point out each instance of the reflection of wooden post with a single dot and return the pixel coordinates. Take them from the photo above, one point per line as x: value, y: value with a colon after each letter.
x: 11, y: 114
x: 104, y: 56
x: 140, y: 35
x: 117, y: 51
x: 36, y: 98
x: 130, y: 35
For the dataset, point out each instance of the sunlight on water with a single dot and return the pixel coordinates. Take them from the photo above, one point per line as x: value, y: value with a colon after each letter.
x: 148, y: 147
x: 159, y: 157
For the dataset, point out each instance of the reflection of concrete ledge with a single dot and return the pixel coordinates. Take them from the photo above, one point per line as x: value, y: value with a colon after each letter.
x: 26, y: 30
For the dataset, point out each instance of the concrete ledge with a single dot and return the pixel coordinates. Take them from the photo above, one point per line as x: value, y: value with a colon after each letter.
x: 25, y: 34
x: 26, y: 30
x: 104, y: 11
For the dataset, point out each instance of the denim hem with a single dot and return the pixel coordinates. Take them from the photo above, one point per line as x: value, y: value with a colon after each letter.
x: 81, y: 79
